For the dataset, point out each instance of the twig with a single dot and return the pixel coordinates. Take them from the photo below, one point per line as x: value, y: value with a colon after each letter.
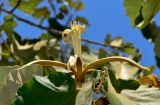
x: 10, y: 52
x: 53, y: 31
x: 52, y: 7
x: 56, y: 32
x: 16, y: 6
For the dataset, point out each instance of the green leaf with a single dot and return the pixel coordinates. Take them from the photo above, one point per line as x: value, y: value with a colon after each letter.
x: 157, y: 46
x: 41, y: 12
x: 102, y: 53
x: 64, y: 9
x: 56, y: 89
x: 85, y: 48
x: 145, y: 95
x: 60, y: 15
x: 132, y: 9
x: 27, y: 6
x: 8, y: 25
x: 107, y: 39
x: 129, y: 50
x: 150, y: 9
x: 79, y: 6
x: 141, y: 12
x: 151, y: 31
x: 157, y: 61
x: 82, y: 20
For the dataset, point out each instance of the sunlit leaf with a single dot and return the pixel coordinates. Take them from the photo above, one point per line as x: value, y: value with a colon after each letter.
x: 84, y: 96
x: 132, y: 9
x: 143, y: 95
x: 41, y: 12
x: 27, y: 6
x: 150, y: 9
x: 12, y: 79
x: 117, y: 41
x: 123, y: 70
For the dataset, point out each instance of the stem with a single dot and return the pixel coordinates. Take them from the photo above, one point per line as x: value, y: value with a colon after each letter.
x: 100, y: 62
x: 54, y: 31
x: 52, y: 7
x: 48, y: 63
x: 16, y: 6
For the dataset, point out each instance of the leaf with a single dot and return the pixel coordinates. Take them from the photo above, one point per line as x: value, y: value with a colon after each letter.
x: 102, y: 53
x: 82, y: 20
x: 27, y: 50
x: 27, y: 6
x: 56, y: 89
x: 8, y: 25
x: 120, y: 84
x: 12, y: 79
x: 107, y: 39
x: 150, y: 80
x: 60, y: 15
x: 88, y: 58
x: 4, y: 70
x: 132, y: 9
x: 151, y: 31
x: 141, y: 12
x: 144, y: 95
x: 42, y: 12
x: 128, y: 48
x: 157, y: 46
x: 115, y: 98
x: 157, y: 61
x: 84, y: 96
x: 124, y: 70
x: 64, y: 9
x: 79, y: 6
x: 149, y: 10
x: 117, y: 42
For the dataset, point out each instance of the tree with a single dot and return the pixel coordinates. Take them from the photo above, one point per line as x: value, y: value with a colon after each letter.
x: 95, y: 83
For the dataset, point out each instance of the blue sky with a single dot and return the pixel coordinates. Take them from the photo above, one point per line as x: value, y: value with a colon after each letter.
x: 108, y: 16
x: 105, y: 16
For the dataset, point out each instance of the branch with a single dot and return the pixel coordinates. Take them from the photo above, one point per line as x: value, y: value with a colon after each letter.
x: 16, y: 6
x: 52, y: 7
x: 54, y: 31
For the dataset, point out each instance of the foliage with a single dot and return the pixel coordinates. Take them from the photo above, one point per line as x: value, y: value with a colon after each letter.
x: 141, y: 13
x: 93, y: 77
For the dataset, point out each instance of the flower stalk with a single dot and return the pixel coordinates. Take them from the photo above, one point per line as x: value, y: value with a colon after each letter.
x: 75, y: 64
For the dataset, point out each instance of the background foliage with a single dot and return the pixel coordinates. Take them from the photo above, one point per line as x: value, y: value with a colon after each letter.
x: 15, y: 50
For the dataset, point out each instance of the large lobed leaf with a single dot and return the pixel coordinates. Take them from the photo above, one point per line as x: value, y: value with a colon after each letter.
x: 12, y: 79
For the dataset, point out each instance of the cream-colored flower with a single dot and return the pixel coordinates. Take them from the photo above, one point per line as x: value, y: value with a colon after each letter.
x: 73, y: 36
